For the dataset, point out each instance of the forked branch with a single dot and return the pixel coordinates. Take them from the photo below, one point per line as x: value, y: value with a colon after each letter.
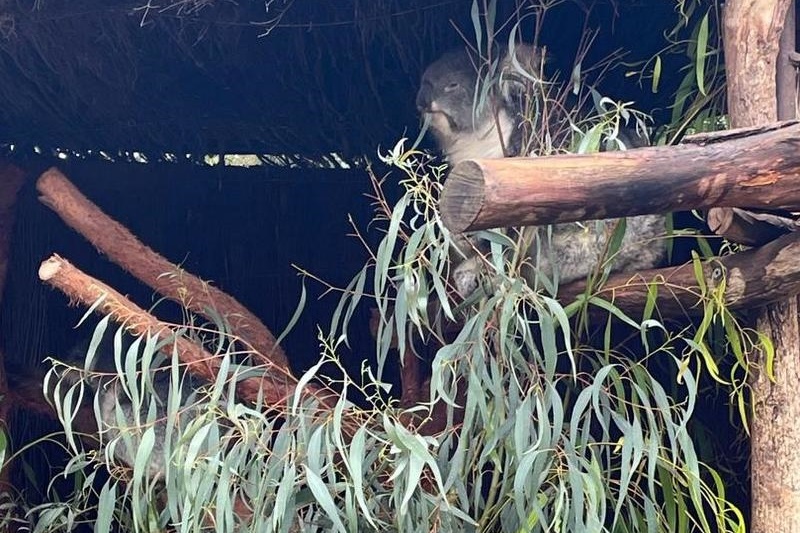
x: 123, y: 248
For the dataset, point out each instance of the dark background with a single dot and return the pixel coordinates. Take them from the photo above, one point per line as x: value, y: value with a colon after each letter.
x: 330, y: 75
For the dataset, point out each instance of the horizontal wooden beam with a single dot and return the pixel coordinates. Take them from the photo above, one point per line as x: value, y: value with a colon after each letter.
x: 753, y: 278
x: 756, y: 168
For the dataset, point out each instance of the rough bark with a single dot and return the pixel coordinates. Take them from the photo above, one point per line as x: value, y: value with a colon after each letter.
x: 775, y: 428
x: 752, y: 168
x: 276, y: 388
x: 786, y: 80
x: 752, y: 31
x: 123, y: 248
x: 751, y: 37
x: 752, y: 279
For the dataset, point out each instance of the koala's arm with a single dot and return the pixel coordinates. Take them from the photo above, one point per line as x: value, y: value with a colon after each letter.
x: 577, y: 249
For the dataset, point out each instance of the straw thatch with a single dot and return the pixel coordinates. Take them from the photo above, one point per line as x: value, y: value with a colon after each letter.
x: 304, y: 77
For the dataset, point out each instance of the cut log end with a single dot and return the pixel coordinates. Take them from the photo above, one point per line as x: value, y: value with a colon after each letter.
x: 749, y: 229
x: 462, y: 199
x: 49, y: 268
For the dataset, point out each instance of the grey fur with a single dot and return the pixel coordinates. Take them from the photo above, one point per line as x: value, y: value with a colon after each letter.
x: 465, y: 130
x: 116, y: 408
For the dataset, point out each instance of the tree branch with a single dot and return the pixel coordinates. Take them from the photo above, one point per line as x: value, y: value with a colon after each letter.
x: 276, y: 387
x: 753, y: 278
x: 123, y: 248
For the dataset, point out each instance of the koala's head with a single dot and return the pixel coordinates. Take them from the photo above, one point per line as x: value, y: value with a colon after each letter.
x: 447, y: 93
x: 447, y: 98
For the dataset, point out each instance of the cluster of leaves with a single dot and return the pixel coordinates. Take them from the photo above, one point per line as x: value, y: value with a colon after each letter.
x: 699, y: 104
x: 544, y: 432
x: 550, y: 422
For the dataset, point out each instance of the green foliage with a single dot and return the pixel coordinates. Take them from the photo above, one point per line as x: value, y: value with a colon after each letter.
x: 551, y: 421
x: 699, y: 104
x: 555, y: 435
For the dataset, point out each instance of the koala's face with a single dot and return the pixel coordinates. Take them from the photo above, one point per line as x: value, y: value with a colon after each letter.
x: 447, y: 93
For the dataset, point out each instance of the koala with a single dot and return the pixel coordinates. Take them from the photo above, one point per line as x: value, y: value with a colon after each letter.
x: 462, y: 128
x: 448, y: 101
x: 118, y: 409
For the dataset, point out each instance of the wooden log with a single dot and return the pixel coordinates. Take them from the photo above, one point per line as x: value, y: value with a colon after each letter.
x: 123, y: 248
x: 753, y: 278
x: 753, y: 170
x: 747, y: 227
x: 276, y: 388
x: 751, y: 37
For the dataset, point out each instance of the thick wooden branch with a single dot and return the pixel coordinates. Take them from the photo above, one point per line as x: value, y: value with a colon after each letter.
x: 753, y: 278
x: 751, y: 32
x: 276, y: 388
x: 752, y: 37
x: 123, y: 248
x: 756, y: 170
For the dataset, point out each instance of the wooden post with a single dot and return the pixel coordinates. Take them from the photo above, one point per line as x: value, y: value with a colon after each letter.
x: 786, y: 78
x: 752, y: 32
x: 753, y: 168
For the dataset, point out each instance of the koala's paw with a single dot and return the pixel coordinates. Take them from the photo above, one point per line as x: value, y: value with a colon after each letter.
x: 465, y: 276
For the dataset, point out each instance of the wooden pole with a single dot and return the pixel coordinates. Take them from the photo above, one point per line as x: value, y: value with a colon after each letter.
x: 786, y: 78
x: 752, y: 32
x: 754, y: 168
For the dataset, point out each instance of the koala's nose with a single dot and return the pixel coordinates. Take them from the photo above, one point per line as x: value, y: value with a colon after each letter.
x: 424, y: 98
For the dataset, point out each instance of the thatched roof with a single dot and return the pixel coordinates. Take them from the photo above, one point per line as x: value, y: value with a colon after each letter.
x: 207, y: 76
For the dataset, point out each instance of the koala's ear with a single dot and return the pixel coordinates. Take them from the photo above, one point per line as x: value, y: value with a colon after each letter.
x: 522, y: 64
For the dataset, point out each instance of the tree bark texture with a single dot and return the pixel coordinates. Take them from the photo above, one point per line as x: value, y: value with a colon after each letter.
x: 276, y: 388
x: 751, y: 37
x: 753, y: 278
x: 123, y: 248
x: 786, y: 76
x: 752, y: 33
x: 754, y: 169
